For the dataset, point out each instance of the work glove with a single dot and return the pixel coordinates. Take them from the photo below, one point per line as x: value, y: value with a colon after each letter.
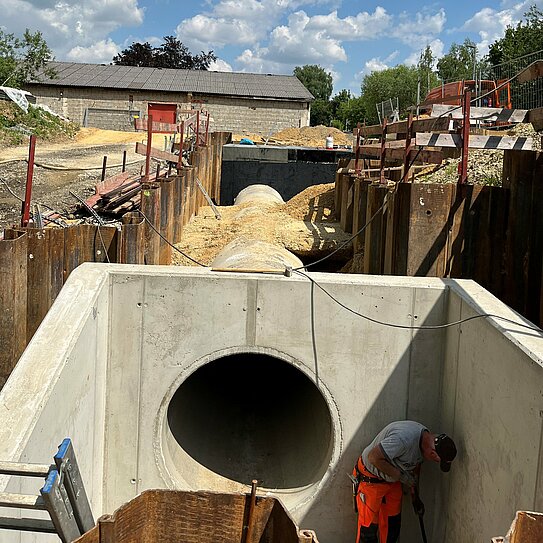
x: 418, y: 506
x: 408, y: 479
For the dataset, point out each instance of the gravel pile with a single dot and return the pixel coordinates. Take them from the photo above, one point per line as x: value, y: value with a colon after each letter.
x: 484, y: 167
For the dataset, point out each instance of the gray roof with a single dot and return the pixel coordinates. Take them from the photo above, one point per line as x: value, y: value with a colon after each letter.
x: 71, y: 74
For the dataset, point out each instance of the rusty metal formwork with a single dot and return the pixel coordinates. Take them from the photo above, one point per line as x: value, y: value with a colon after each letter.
x: 493, y: 235
x: 35, y: 262
x: 169, y: 516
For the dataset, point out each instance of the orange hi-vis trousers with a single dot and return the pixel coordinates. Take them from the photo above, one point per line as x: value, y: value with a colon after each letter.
x: 376, y: 502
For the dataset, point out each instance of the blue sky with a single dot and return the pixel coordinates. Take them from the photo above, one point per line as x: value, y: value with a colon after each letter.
x: 347, y: 38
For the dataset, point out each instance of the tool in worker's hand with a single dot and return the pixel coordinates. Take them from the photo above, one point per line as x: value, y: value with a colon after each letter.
x: 422, y: 530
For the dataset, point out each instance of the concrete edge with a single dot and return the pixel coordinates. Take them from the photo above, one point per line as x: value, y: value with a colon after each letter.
x: 480, y: 301
x: 35, y: 379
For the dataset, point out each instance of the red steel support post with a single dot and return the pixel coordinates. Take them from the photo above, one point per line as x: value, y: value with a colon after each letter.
x: 463, y: 165
x: 408, y: 149
x: 104, y: 166
x: 357, y: 149
x: 25, y: 215
x: 383, y: 152
x: 149, y: 143
x: 181, y: 134
x: 207, y: 129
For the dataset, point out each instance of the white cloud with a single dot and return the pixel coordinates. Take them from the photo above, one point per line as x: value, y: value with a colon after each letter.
x: 220, y: 65
x: 436, y: 46
x: 363, y: 26
x: 490, y: 24
x: 420, y: 31
x: 69, y: 24
x: 100, y: 52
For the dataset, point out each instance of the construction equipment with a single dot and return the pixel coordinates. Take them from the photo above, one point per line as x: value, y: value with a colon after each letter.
x: 63, y: 496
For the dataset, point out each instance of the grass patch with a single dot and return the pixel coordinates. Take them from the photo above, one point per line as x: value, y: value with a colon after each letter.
x: 16, y: 125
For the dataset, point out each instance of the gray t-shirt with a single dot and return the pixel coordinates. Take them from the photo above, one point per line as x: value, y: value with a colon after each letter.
x: 400, y: 442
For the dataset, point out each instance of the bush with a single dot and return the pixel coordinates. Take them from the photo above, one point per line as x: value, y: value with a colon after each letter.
x: 16, y: 125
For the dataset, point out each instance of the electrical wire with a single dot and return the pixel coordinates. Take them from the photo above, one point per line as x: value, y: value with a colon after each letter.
x: 410, y: 327
x: 167, y: 241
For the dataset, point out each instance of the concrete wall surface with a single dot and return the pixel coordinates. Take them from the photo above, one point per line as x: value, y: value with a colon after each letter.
x: 104, y: 108
x: 191, y: 379
x: 493, y: 403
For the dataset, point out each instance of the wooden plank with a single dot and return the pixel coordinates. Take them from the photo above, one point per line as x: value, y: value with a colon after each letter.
x: 397, y: 153
x: 535, y: 116
x: 13, y: 300
x: 141, y: 148
x: 492, y: 114
x: 419, y: 125
x: 475, y: 142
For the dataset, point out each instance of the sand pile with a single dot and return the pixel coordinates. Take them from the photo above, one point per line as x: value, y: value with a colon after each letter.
x: 304, y: 225
x: 311, y: 136
x: 307, y: 136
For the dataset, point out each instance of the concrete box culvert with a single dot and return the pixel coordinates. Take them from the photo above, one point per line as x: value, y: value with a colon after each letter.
x: 244, y: 416
x: 121, y: 341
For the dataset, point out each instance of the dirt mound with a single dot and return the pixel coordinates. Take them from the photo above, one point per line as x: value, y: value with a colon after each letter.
x: 312, y: 136
x: 315, y: 204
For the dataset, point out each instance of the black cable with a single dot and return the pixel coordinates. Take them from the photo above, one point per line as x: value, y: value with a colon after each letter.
x: 422, y: 327
x: 168, y: 242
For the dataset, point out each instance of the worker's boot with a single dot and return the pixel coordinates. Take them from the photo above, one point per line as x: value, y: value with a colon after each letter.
x: 368, y: 534
x: 394, y: 525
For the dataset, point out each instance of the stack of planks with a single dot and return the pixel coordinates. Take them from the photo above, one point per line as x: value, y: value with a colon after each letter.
x: 117, y: 194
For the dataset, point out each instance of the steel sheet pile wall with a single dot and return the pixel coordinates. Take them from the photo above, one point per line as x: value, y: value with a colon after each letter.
x: 35, y: 263
x: 493, y: 235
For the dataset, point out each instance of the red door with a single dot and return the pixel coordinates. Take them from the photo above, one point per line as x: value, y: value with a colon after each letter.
x: 162, y: 113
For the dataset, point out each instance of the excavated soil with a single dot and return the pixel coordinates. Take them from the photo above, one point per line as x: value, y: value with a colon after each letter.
x: 307, y: 136
x: 303, y: 225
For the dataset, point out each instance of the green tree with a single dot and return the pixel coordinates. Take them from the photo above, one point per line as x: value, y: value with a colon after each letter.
x: 321, y: 113
x: 337, y: 107
x: 138, y: 54
x: 353, y: 111
x: 427, y: 76
x: 459, y: 62
x: 526, y: 37
x: 399, y: 82
x: 170, y: 54
x: 21, y: 59
x: 316, y: 80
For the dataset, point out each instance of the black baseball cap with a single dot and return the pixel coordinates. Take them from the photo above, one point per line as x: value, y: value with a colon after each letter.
x: 446, y: 449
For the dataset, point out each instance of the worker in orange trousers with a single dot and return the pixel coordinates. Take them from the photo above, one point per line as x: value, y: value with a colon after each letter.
x: 394, y: 458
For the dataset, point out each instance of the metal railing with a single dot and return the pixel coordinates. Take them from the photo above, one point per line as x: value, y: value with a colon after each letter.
x: 527, y: 95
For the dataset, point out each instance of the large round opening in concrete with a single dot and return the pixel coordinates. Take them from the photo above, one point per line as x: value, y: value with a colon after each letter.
x: 252, y: 416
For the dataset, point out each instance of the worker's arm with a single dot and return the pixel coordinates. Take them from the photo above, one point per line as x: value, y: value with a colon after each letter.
x: 378, y: 459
